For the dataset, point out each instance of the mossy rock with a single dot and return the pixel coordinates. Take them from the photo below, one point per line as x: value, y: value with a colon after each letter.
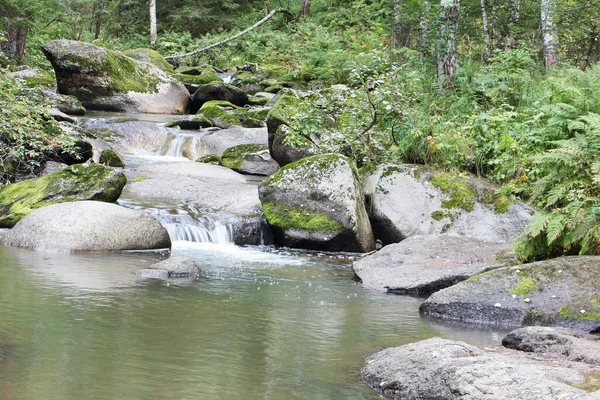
x: 258, y: 101
x: 317, y: 203
x: 246, y: 78
x: 218, y: 91
x: 202, y: 79
x: 111, y: 158
x: 249, y: 159
x: 219, y: 117
x: 75, y: 183
x: 274, y: 89
x: 150, y: 56
x: 199, y: 121
x: 220, y: 103
x: 214, y: 159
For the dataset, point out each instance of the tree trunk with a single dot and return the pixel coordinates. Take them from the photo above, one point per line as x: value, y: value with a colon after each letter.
x: 99, y: 12
x: 486, y: 30
x: 514, y: 9
x: 152, y: 21
x: 424, y: 28
x: 447, y: 51
x: 305, y: 8
x: 16, y: 35
x: 550, y: 35
x: 400, y: 28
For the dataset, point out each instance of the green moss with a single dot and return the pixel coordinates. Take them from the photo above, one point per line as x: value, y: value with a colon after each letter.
x: 197, y: 79
x: 389, y: 171
x: 234, y: 156
x: 592, y: 382
x: 259, y: 114
x: 128, y: 76
x: 315, y: 164
x: 150, y: 56
x: 438, y: 215
x: 258, y: 101
x: 219, y: 117
x: 478, y: 277
x: 282, y: 112
x: 123, y: 120
x: 284, y: 216
x: 461, y: 194
x: 74, y: 183
x: 210, y: 159
x: 106, y: 134
x: 274, y: 89
x: 499, y: 201
x: 591, y: 312
x: 247, y: 78
x: 111, y: 158
x: 525, y: 286
x: 42, y: 79
x: 140, y: 178
x: 219, y: 103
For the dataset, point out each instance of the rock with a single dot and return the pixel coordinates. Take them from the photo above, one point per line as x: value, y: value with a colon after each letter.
x: 51, y: 167
x: 198, y: 75
x: 214, y: 159
x: 444, y: 369
x: 252, y: 159
x: 192, y: 122
x: 206, y: 187
x: 60, y: 116
x: 278, y: 121
x: 218, y: 91
x: 86, y: 226
x: 150, y: 56
x: 174, y: 267
x: 408, y: 200
x: 129, y: 136
x: 555, y: 343
x: 561, y: 292
x: 214, y: 111
x: 66, y: 104
x: 110, y: 81
x: 111, y: 158
x: 425, y: 264
x: 258, y: 101
x: 216, y: 142
x: 316, y: 203
x: 35, y: 77
x: 74, y: 183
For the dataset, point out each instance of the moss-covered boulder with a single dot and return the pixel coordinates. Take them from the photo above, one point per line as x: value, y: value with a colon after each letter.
x: 151, y: 57
x: 67, y: 104
x: 408, y: 200
x: 111, y: 158
x: 251, y: 159
x: 88, y: 226
x: 559, y: 292
x: 218, y: 91
x: 317, y: 203
x: 195, y: 122
x: 217, y: 113
x: 278, y: 121
x: 75, y: 183
x: 258, y: 101
x: 197, y: 75
x: 108, y: 80
x: 214, y: 159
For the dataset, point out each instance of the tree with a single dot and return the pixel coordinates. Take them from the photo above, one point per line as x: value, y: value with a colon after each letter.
x: 549, y: 33
x: 447, y: 45
x: 152, y: 21
x: 99, y: 12
x: 305, y: 8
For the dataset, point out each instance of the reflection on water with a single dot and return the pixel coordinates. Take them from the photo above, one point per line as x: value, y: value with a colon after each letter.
x: 257, y: 325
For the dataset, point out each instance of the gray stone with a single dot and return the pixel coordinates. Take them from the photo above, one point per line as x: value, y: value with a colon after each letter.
x: 556, y: 343
x: 437, y: 369
x: 217, y: 91
x: 66, y: 104
x: 88, y: 226
x: 558, y: 292
x: 253, y: 159
x: 51, y: 167
x: 425, y: 264
x: 174, y: 267
x: 408, y: 200
x: 60, y: 116
x: 107, y: 80
x: 317, y: 203
x: 216, y: 142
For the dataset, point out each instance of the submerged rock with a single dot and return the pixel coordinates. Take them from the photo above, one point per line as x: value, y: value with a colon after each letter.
x: 408, y: 200
x: 425, y: 264
x: 107, y: 80
x: 252, y: 159
x: 317, y: 203
x: 558, y: 292
x: 87, y: 226
x: 74, y: 183
x: 444, y: 369
x: 174, y: 267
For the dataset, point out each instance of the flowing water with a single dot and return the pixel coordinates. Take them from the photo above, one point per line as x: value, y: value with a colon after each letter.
x: 258, y: 324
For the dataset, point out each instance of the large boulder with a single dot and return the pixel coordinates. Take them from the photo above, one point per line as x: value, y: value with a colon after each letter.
x: 317, y: 203
x: 408, y: 200
x: 174, y: 267
x: 88, y: 226
x: 252, y: 159
x: 559, y: 292
x: 218, y: 91
x: 107, y: 80
x: 74, y: 183
x: 437, y: 369
x: 150, y: 56
x: 278, y: 125
x: 424, y: 264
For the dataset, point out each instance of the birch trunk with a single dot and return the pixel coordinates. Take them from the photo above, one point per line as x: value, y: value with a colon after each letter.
x: 515, y: 16
x: 152, y: 21
x: 305, y: 8
x: 424, y: 28
x: 448, y: 51
x: 486, y: 30
x: 549, y: 34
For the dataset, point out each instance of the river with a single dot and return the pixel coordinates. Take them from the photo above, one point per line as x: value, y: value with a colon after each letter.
x: 260, y: 323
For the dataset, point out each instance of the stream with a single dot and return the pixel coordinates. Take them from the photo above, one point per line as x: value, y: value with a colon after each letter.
x: 261, y: 323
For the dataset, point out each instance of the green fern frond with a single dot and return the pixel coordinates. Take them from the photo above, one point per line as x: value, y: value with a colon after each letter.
x: 556, y: 226
x: 539, y: 223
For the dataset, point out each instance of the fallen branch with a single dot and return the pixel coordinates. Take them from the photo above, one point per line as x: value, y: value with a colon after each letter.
x: 229, y: 39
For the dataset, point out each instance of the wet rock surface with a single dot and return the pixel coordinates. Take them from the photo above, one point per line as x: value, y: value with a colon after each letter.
x: 174, y: 267
x: 425, y: 264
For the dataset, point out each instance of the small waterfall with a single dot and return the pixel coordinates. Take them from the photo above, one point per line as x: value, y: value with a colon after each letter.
x: 175, y: 144
x: 205, y: 229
